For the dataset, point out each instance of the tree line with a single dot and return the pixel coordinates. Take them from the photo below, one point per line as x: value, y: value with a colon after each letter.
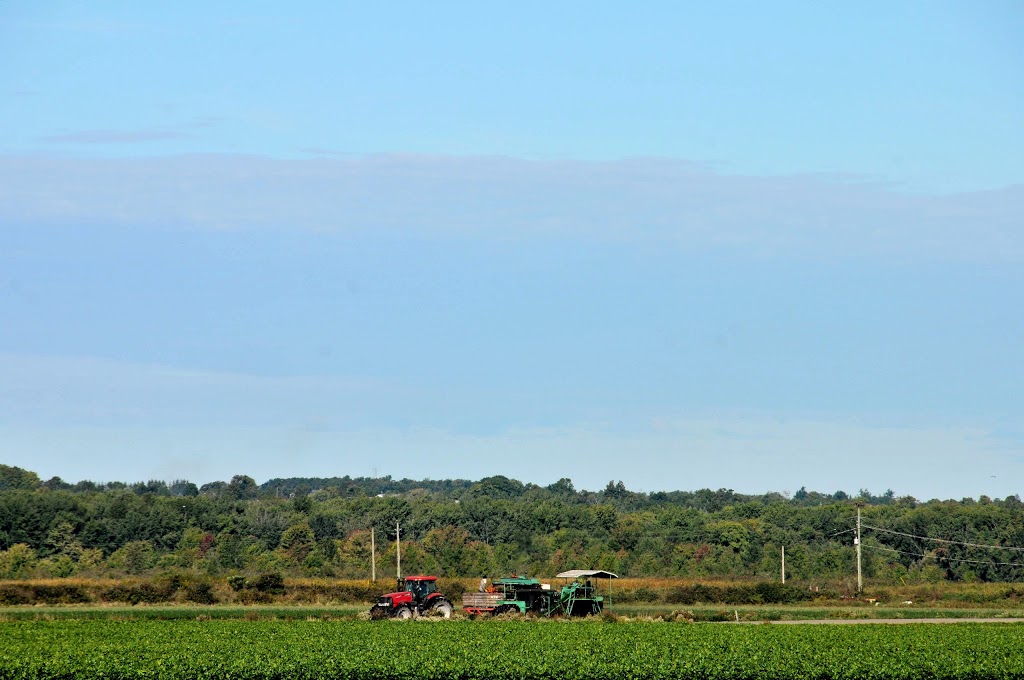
x: 324, y: 527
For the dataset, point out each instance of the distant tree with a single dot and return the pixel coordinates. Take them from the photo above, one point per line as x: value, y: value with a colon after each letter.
x: 498, y: 486
x: 183, y: 487
x: 188, y: 545
x: 302, y: 503
x: 61, y: 540
x: 16, y: 478
x: 384, y: 513
x: 17, y: 561
x: 153, y: 486
x: 615, y: 489
x: 297, y: 541
x: 714, y: 501
x: 563, y: 487
x: 205, y: 544
x: 325, y: 527
x: 447, y: 546
x: 604, y: 516
x: 212, y: 488
x: 230, y: 550
x: 56, y: 484
x: 135, y: 557
x: 242, y: 487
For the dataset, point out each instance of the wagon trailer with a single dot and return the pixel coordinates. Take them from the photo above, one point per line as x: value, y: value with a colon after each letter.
x: 512, y: 594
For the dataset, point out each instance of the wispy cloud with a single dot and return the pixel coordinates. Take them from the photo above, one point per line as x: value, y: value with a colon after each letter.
x: 154, y: 134
x: 643, y: 200
x: 90, y: 391
x: 323, y: 151
x: 202, y: 122
x: 96, y: 26
x: 113, y: 136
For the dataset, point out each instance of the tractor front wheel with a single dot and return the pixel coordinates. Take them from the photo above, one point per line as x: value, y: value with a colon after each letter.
x: 403, y: 613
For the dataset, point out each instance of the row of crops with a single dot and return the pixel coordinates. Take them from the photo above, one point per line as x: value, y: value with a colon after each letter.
x: 504, y: 649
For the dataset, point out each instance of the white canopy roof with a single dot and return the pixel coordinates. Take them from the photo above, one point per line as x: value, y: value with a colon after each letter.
x: 595, y: 573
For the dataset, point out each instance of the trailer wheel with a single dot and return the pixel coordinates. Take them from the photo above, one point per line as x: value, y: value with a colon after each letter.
x: 403, y: 613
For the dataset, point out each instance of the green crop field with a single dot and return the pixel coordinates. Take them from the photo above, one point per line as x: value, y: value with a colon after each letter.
x: 503, y: 649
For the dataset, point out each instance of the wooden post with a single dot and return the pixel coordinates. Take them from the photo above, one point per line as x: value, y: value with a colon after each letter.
x: 783, y: 565
x: 398, y: 544
x: 373, y: 554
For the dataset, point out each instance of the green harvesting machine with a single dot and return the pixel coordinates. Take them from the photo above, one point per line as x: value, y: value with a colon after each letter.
x: 578, y: 597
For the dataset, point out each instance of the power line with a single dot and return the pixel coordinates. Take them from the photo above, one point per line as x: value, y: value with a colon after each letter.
x: 840, y: 533
x: 948, y: 559
x: 943, y: 540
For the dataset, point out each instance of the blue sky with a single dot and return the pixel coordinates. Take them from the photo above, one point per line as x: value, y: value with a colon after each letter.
x: 677, y: 245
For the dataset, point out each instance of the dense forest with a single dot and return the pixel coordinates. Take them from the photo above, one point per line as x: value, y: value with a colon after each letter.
x: 497, y: 525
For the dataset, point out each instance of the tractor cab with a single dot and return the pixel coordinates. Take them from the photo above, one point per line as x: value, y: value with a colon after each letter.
x: 420, y: 587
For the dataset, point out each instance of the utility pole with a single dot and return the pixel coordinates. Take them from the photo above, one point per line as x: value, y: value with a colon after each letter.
x: 860, y: 583
x: 398, y: 544
x: 373, y: 554
x: 783, y: 565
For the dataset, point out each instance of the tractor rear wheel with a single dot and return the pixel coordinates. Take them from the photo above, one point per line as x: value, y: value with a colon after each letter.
x: 403, y: 613
x: 442, y: 609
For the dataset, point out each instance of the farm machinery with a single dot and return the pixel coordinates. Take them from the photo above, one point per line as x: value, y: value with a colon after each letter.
x: 415, y: 596
x: 578, y: 597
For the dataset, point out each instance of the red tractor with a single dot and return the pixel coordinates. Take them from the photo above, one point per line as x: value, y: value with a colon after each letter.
x: 416, y: 596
